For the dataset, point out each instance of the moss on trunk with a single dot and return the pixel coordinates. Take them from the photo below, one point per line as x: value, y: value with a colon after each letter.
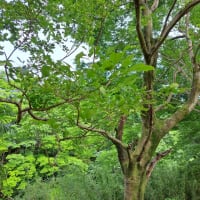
x: 135, y: 184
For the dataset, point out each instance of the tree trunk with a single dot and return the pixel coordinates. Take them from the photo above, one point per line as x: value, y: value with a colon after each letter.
x: 135, y: 185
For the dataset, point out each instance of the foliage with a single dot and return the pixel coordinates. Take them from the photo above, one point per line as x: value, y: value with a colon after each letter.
x: 172, y: 181
x: 19, y: 170
x: 135, y: 87
x: 75, y: 184
x: 169, y: 181
x: 38, y: 154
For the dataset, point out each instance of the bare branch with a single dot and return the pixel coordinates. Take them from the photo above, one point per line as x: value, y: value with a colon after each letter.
x: 36, y: 117
x: 195, y: 88
x: 98, y: 38
x: 174, y: 21
x: 190, y: 45
x: 139, y: 28
x: 178, y: 37
x: 73, y: 49
x: 100, y: 31
x: 103, y: 133
x: 78, y: 137
x: 153, y: 163
x: 9, y: 101
x: 168, y: 15
x: 154, y: 5
x: 52, y: 106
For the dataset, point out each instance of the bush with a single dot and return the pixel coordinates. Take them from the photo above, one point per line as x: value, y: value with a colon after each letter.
x: 77, y: 185
x: 170, y: 181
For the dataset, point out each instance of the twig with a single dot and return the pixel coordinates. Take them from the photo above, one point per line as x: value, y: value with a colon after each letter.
x: 168, y: 15
x: 178, y: 37
x: 74, y: 47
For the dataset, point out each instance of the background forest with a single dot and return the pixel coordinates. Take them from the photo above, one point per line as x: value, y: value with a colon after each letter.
x: 93, y: 93
x: 37, y: 164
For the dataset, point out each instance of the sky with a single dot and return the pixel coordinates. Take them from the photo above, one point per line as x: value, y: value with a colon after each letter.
x: 57, y: 55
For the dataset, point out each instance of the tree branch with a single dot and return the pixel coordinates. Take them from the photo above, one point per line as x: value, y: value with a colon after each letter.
x: 190, y: 45
x: 160, y: 107
x: 154, y: 5
x: 153, y: 163
x: 73, y: 49
x: 193, y: 99
x: 139, y: 28
x: 100, y: 131
x: 36, y: 117
x: 197, y: 110
x: 170, y: 26
x: 119, y: 131
x: 75, y: 137
x: 103, y: 133
x: 17, y: 104
x: 178, y: 37
x: 168, y: 15
x: 52, y: 106
x: 196, y: 52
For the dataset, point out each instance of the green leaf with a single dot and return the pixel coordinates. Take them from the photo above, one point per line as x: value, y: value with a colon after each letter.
x: 22, y: 185
x: 78, y: 58
x: 45, y: 71
x: 141, y: 67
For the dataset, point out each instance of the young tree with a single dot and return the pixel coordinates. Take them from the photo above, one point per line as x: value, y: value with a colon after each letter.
x: 136, y: 68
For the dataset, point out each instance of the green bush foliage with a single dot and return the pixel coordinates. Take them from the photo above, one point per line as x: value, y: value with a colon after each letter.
x: 75, y: 184
x: 171, y: 181
x: 31, y: 151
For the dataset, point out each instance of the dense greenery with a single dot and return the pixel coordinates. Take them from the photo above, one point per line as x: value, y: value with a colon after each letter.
x: 94, y: 126
x: 73, y: 177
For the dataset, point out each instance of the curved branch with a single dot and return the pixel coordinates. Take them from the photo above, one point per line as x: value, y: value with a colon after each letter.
x: 170, y: 122
x: 18, y: 105
x: 100, y: 131
x: 153, y: 163
x: 154, y: 5
x: 161, y: 106
x: 36, y: 117
x: 52, y: 106
x: 103, y: 133
x: 174, y: 21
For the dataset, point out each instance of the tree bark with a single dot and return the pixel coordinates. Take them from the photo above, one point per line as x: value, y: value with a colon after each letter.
x: 135, y: 185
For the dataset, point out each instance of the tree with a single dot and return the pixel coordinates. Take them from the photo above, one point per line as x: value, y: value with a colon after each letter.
x: 136, y: 73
